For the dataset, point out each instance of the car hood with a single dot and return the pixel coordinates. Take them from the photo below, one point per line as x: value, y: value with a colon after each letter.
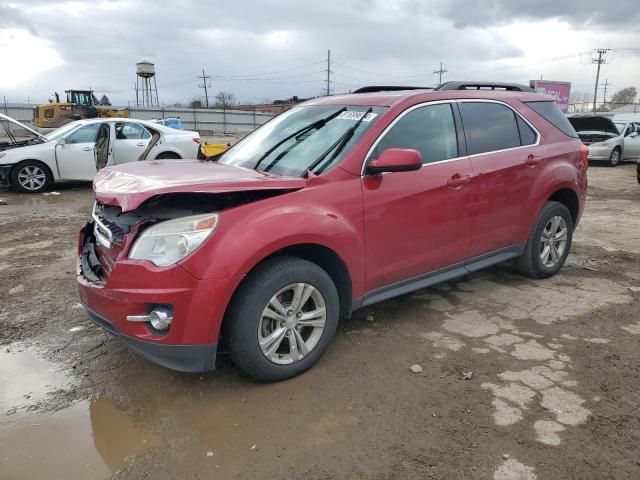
x: 594, y: 123
x: 131, y: 184
x: 12, y: 155
x: 22, y: 125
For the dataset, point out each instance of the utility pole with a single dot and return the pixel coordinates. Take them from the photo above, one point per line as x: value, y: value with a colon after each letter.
x: 600, y: 52
x: 328, y: 72
x: 606, y: 84
x: 205, y: 86
x: 440, y: 72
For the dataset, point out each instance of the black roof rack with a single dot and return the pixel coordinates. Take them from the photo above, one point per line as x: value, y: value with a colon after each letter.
x: 388, y: 88
x: 511, y: 87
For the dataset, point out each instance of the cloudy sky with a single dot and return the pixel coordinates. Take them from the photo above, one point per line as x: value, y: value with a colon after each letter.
x: 267, y: 49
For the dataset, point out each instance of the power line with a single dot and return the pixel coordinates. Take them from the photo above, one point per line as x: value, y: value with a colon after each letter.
x: 204, y: 85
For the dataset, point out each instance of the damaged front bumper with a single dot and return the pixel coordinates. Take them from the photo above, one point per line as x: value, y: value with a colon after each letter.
x: 133, y: 287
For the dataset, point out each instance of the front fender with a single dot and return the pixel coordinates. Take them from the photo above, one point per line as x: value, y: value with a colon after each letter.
x: 248, y: 234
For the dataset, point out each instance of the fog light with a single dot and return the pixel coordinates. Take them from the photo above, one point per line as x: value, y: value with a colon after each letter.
x: 160, y: 319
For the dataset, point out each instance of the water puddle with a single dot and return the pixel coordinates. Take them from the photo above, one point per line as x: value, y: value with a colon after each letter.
x: 87, y: 440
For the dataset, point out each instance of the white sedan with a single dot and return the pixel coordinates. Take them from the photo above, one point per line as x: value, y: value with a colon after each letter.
x: 79, y: 149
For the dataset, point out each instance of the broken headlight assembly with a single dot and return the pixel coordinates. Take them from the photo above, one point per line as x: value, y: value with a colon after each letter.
x: 168, y: 242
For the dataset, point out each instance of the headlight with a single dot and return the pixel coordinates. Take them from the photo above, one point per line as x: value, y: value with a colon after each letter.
x: 169, y: 242
x: 3, y: 154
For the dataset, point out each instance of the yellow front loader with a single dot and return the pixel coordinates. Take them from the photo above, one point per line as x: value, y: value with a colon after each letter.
x: 80, y: 104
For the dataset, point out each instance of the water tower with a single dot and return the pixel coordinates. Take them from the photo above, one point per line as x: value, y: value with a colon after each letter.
x: 146, y: 93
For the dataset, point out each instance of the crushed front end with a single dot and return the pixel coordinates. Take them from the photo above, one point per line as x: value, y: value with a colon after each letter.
x: 164, y: 314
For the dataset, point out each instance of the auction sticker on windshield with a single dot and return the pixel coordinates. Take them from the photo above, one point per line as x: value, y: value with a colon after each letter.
x: 355, y: 116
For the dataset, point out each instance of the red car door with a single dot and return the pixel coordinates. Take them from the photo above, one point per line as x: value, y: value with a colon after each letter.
x: 417, y: 222
x: 505, y: 156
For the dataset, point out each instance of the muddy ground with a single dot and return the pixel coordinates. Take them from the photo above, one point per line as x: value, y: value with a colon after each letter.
x: 554, y: 394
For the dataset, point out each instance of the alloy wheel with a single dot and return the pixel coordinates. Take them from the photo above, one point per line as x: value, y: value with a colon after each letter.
x: 615, y: 157
x: 32, y: 177
x: 553, y: 241
x: 292, y: 323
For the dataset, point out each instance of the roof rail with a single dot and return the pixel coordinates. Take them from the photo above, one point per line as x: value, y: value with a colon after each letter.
x: 511, y: 87
x: 388, y: 88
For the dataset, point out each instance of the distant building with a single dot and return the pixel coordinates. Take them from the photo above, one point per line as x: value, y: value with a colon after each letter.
x: 276, y: 107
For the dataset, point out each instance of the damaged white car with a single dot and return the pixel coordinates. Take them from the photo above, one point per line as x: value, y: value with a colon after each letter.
x: 607, y: 140
x: 78, y: 150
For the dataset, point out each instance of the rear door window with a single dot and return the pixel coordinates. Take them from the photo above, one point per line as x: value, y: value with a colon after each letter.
x: 131, y: 131
x: 430, y: 129
x: 527, y: 135
x: 489, y: 127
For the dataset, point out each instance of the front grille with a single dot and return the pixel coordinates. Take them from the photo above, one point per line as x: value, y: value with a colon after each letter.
x: 107, y: 231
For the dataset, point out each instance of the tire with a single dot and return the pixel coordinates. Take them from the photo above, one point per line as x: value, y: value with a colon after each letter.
x: 31, y: 176
x: 246, y: 324
x: 533, y: 262
x: 614, y: 158
x: 168, y: 156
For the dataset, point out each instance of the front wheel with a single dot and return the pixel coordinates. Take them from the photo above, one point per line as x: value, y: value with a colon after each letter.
x: 548, y: 244
x: 31, y: 177
x: 614, y: 158
x: 282, y: 319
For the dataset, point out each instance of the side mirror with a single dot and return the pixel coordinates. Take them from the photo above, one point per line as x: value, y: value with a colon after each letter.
x: 633, y: 134
x: 61, y: 141
x: 396, y: 160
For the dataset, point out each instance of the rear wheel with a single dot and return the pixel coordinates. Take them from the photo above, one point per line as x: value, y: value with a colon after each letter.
x: 282, y: 319
x: 548, y: 244
x: 614, y: 158
x: 31, y: 177
x: 168, y: 155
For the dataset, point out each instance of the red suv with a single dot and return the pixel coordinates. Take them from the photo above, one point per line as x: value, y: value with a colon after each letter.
x: 336, y: 204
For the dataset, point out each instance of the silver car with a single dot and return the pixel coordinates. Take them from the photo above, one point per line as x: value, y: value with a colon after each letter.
x: 607, y: 140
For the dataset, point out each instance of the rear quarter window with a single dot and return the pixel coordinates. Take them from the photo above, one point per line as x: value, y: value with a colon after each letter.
x: 552, y: 114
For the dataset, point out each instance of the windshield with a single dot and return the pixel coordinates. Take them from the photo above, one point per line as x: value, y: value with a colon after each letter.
x: 620, y: 126
x: 294, y: 156
x: 62, y: 131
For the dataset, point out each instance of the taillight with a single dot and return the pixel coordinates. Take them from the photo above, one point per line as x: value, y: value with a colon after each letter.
x: 196, y: 139
x: 584, y: 156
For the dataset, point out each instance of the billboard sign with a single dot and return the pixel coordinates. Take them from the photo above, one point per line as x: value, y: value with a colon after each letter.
x: 558, y: 90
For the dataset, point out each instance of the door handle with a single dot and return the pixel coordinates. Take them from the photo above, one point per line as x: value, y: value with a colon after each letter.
x: 532, y: 160
x: 141, y: 144
x: 457, y: 180
x: 87, y: 149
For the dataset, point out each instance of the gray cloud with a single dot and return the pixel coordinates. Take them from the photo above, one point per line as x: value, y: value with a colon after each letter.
x: 270, y: 48
x: 591, y: 13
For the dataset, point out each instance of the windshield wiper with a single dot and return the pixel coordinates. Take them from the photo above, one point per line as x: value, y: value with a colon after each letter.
x: 315, y: 125
x: 339, y: 144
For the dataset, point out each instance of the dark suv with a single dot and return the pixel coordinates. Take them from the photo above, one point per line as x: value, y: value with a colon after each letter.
x: 336, y: 204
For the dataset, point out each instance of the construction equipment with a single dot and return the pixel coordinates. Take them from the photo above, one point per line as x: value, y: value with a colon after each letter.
x: 80, y: 104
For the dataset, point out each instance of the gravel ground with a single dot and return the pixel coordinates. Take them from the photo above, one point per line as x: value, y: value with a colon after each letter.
x: 520, y: 379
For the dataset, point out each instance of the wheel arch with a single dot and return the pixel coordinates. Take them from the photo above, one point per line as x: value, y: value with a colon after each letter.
x: 35, y: 160
x: 569, y: 198
x: 320, y: 255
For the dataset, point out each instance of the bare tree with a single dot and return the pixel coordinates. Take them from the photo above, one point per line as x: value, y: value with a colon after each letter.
x: 225, y: 100
x: 580, y: 102
x: 624, y: 97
